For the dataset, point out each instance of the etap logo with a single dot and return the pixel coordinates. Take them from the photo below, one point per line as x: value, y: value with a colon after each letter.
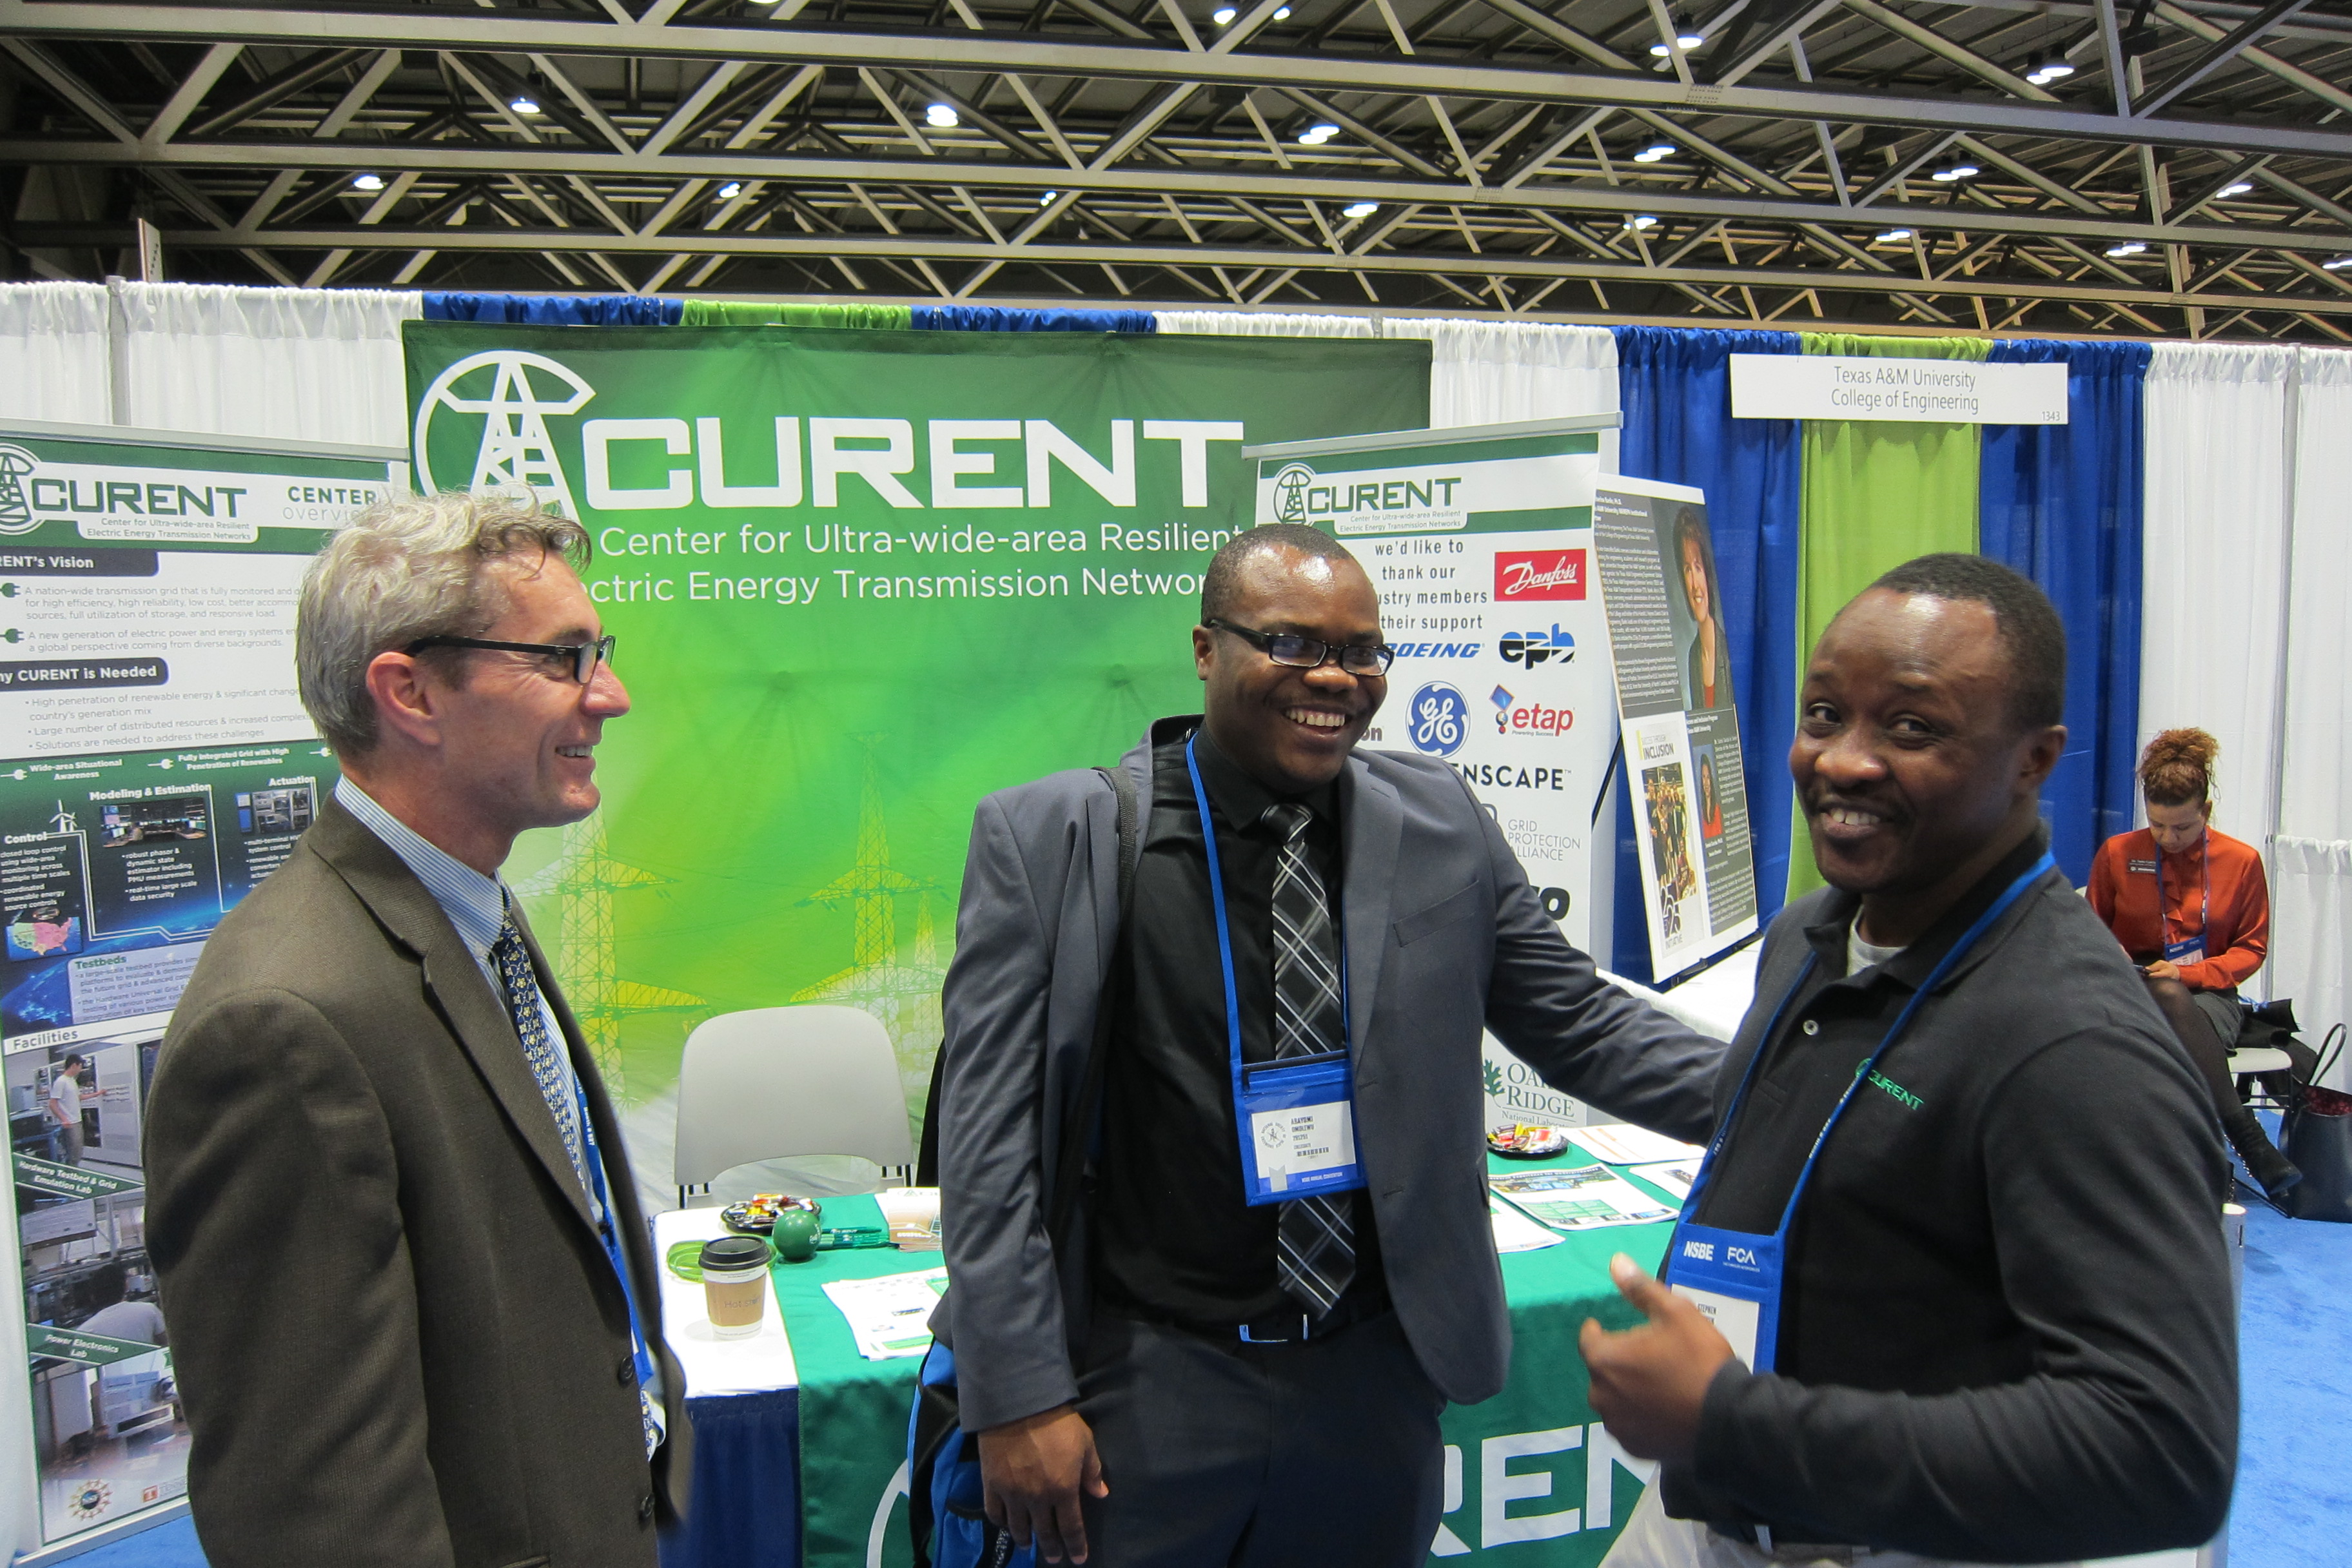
x: 1533, y: 648
x: 1513, y: 717
x: 1521, y: 574
x: 512, y: 394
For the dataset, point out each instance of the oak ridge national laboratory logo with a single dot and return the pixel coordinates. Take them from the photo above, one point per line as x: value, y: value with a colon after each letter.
x: 1438, y: 719
x: 1290, y: 493
x: 17, y: 465
x: 512, y: 393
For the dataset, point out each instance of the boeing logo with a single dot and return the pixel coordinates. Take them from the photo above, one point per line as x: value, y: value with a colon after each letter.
x: 1436, y: 650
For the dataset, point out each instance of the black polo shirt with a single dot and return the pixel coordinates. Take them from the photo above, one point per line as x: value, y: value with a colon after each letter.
x: 1174, y: 1241
x: 2006, y: 1327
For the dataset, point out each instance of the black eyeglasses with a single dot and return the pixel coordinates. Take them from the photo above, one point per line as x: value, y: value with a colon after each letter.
x: 585, y: 656
x: 1366, y: 659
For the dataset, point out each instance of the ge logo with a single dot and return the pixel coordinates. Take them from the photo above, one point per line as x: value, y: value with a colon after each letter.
x: 1272, y: 1136
x: 1439, y: 717
x: 1290, y: 493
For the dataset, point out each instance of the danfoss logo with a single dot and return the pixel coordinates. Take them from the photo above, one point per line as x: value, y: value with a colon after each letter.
x: 1539, y: 575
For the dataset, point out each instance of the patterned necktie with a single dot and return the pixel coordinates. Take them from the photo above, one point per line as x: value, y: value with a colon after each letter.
x: 540, y: 1045
x: 1316, y: 1251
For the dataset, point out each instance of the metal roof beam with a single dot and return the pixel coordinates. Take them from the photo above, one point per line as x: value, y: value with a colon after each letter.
x: 1222, y: 64
x: 1149, y: 184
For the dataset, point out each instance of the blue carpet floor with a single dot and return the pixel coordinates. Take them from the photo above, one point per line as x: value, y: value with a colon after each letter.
x: 2294, y: 1509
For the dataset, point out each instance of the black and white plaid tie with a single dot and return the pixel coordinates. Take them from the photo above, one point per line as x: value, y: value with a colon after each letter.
x: 1317, y: 1237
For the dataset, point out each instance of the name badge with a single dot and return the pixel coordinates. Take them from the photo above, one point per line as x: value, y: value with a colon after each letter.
x: 1299, y: 1123
x: 1734, y: 1278
x: 2189, y: 952
x: 2144, y: 868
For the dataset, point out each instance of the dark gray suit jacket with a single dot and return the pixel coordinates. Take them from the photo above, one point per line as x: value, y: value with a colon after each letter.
x: 1444, y: 936
x: 398, y: 1337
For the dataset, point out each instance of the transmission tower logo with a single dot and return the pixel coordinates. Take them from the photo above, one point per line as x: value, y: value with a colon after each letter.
x: 512, y: 394
x: 16, y: 465
x: 1290, y: 493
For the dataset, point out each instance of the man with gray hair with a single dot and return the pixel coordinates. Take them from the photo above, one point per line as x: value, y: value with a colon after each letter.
x: 414, y: 1304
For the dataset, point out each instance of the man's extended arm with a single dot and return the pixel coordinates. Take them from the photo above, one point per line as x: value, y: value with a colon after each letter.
x: 1551, y: 1006
x: 2124, y: 1439
x: 274, y: 1220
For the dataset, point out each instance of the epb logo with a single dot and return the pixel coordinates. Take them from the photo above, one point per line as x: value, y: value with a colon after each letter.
x: 1533, y: 648
x: 1438, y: 649
x: 1702, y: 1250
x: 1438, y: 719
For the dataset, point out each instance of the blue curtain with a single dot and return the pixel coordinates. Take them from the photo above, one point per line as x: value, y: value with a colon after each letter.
x: 554, y: 310
x: 2063, y: 503
x: 991, y: 318
x: 1675, y: 386
x: 745, y: 1510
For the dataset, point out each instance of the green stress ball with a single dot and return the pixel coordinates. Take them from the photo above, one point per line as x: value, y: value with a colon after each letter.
x: 795, y: 1237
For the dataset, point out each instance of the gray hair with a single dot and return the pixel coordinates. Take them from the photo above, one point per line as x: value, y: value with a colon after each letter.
x: 407, y: 568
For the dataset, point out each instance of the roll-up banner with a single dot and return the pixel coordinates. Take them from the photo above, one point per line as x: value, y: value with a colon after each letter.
x: 1671, y: 661
x: 159, y: 765
x: 1479, y: 541
x: 860, y: 579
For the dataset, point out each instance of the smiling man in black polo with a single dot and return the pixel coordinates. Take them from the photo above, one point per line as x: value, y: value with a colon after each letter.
x: 2004, y: 1329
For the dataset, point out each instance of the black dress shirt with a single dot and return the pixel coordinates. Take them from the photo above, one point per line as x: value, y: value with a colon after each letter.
x: 1174, y: 1240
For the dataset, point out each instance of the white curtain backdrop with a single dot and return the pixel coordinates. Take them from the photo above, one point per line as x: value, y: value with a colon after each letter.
x: 2213, y: 575
x: 53, y: 353
x: 2311, y: 948
x: 1264, y: 324
x: 296, y: 365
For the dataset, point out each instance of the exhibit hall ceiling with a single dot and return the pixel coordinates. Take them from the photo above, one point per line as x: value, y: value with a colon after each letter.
x: 2138, y: 167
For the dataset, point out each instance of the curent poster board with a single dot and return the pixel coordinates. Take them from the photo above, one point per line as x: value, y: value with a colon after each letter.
x: 157, y: 766
x: 1480, y: 541
x: 1672, y: 659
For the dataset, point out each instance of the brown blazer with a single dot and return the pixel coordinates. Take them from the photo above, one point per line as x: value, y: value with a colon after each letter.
x: 398, y: 1338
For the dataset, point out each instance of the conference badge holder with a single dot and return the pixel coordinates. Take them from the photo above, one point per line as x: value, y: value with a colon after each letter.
x: 1296, y: 1116
x: 1736, y: 1277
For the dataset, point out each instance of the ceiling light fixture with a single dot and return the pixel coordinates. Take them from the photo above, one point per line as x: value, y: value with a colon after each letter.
x: 1641, y: 220
x: 1048, y: 199
x: 2050, y: 71
x: 1223, y: 15
x: 940, y: 117
x: 1317, y: 133
x: 2236, y: 188
x: 1282, y: 13
x: 1957, y: 171
x: 1654, y: 151
x: 1893, y: 235
x: 1359, y: 209
x: 523, y: 103
x: 2338, y: 265
x: 367, y: 182
x: 2128, y: 247
x: 731, y: 190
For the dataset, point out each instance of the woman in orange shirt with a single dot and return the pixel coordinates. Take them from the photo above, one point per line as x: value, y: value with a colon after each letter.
x: 2192, y: 908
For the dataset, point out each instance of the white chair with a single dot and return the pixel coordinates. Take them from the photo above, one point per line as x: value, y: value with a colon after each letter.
x: 778, y: 1082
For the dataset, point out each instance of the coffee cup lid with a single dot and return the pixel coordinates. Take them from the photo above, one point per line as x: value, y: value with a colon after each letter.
x: 734, y: 1252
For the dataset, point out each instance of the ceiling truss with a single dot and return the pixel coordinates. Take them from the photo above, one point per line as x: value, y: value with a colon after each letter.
x: 2190, y: 175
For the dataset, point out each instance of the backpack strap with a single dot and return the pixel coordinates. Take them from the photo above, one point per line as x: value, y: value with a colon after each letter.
x: 1077, y: 1140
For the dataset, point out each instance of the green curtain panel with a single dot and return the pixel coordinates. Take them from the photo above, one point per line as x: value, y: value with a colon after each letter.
x: 742, y: 313
x: 1875, y: 494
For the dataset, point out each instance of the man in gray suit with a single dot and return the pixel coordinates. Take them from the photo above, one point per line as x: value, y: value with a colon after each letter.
x: 414, y: 1303
x: 1186, y: 1376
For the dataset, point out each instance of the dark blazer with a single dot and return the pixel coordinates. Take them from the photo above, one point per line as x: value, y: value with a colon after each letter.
x: 1444, y: 936
x: 398, y: 1337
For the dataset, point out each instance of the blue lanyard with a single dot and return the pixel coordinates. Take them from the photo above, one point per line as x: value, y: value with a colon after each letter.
x: 2205, y: 898
x: 1226, y: 937
x: 594, y: 1159
x: 1902, y: 1021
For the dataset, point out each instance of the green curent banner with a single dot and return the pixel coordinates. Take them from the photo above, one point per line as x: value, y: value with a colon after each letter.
x: 860, y: 579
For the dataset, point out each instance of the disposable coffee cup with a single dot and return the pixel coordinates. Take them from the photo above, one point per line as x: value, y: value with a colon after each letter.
x: 735, y: 1285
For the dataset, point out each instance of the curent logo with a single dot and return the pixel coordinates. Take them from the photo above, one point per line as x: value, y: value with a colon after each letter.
x: 515, y: 450
x: 1290, y: 492
x: 16, y: 465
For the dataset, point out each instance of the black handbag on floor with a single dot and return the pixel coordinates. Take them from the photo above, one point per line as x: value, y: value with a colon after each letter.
x: 2316, y: 1134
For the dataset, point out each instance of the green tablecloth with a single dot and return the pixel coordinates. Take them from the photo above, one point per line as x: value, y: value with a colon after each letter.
x: 1532, y: 1480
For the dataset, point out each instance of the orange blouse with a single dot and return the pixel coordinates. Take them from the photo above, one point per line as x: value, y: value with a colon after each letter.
x: 2237, y: 917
